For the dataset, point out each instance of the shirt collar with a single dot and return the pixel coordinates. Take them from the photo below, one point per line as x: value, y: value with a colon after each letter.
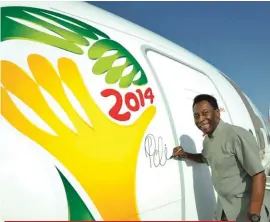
x: 218, y: 129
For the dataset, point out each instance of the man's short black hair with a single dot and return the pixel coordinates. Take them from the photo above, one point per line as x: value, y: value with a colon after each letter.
x: 205, y: 97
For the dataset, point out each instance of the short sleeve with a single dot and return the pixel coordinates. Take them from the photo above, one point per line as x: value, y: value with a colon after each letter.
x: 247, y: 152
x: 203, y: 153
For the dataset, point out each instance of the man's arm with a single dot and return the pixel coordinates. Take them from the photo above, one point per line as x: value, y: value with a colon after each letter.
x: 178, y: 152
x: 198, y: 157
x: 257, y: 195
x: 247, y: 152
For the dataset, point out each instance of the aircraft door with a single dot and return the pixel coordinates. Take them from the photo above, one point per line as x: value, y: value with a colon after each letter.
x: 180, y: 84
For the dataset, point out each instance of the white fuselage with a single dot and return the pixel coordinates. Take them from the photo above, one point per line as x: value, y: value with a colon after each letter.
x: 119, y: 115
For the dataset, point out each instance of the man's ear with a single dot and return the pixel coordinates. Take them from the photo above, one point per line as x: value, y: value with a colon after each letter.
x: 218, y: 113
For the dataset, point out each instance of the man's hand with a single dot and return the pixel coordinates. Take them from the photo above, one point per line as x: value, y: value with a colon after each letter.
x: 258, y: 191
x: 178, y: 152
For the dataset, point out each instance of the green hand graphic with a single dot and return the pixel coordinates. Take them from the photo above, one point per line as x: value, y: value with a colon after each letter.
x: 72, y: 34
x: 69, y: 34
x: 114, y: 74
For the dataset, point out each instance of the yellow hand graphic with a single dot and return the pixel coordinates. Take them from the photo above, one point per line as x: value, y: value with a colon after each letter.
x: 102, y: 157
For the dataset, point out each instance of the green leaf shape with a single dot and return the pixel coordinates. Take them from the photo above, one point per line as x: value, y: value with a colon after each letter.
x: 74, y: 34
x: 77, y: 209
x: 114, y: 74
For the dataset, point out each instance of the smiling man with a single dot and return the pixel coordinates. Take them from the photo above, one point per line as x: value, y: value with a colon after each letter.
x: 233, y: 156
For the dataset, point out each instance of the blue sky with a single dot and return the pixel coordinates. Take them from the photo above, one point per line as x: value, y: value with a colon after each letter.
x: 232, y: 36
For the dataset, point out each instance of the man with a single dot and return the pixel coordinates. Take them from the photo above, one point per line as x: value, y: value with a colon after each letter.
x: 233, y: 155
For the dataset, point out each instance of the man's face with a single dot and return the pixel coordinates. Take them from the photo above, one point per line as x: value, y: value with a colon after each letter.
x: 206, y: 118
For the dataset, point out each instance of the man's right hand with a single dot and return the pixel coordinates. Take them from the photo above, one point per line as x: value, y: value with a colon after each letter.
x: 178, y: 152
